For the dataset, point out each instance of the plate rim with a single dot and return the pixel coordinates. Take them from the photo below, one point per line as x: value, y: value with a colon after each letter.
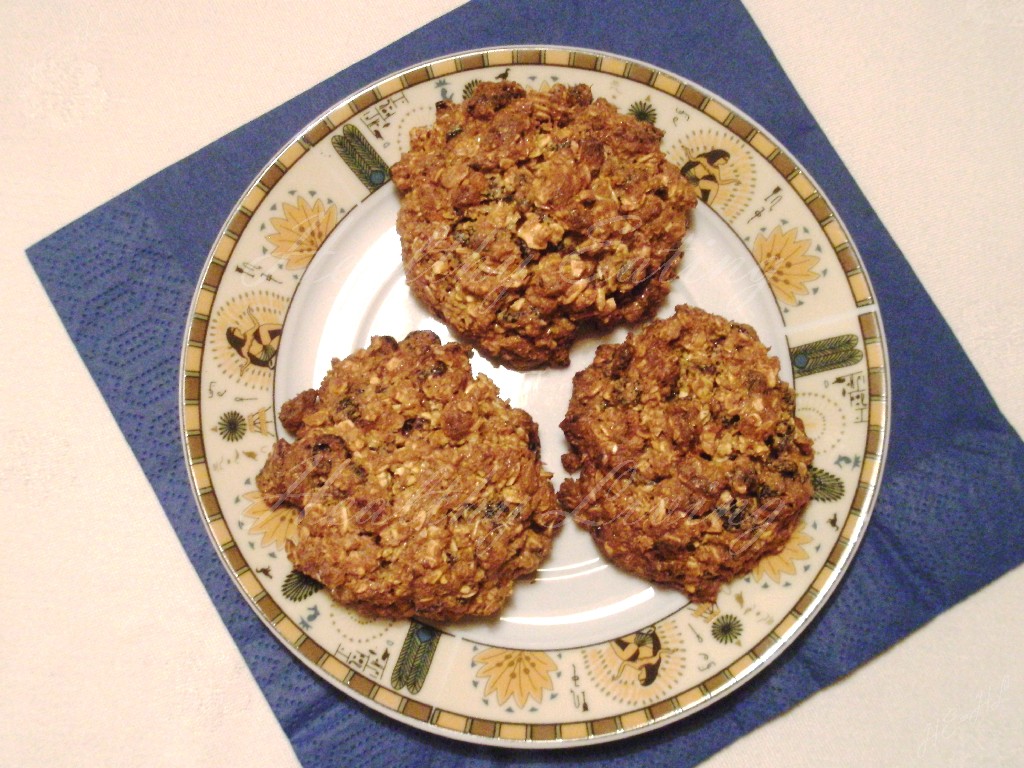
x: 808, y: 613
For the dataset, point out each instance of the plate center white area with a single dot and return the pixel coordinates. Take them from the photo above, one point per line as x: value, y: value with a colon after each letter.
x: 355, y: 289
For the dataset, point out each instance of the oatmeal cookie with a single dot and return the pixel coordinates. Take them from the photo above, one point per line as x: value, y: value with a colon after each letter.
x: 692, y: 463
x: 420, y: 490
x: 527, y: 216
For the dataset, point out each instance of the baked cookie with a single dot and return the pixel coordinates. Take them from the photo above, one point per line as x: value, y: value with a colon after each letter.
x: 420, y: 490
x: 692, y: 463
x: 527, y: 216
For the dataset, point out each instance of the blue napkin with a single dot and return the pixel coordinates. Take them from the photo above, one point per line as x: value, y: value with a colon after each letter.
x: 122, y: 277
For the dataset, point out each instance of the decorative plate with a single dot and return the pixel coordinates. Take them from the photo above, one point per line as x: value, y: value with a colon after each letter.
x: 308, y: 267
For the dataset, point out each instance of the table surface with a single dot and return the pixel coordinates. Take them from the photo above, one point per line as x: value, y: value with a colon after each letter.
x: 95, y: 97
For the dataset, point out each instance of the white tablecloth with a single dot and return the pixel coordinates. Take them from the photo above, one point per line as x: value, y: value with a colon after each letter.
x: 111, y: 652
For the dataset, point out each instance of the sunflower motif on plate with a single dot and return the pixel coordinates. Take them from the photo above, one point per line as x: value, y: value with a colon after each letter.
x: 776, y: 567
x: 522, y: 676
x: 274, y: 525
x: 785, y: 260
x: 301, y: 229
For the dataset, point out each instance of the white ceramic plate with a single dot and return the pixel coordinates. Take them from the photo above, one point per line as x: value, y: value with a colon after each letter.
x: 308, y: 268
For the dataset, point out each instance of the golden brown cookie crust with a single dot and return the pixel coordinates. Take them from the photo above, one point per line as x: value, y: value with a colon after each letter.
x: 693, y: 465
x: 421, y: 491
x: 527, y: 216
